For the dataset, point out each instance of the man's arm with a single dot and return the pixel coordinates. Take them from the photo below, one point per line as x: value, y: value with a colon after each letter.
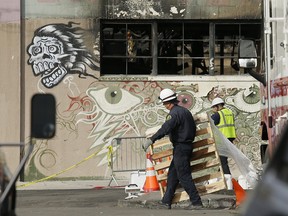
x: 216, y: 118
x: 166, y: 128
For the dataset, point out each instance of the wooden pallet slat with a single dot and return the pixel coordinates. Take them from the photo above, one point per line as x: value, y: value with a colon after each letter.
x: 211, y: 188
x: 162, y: 165
x: 207, y: 155
x: 205, y: 165
x: 204, y: 142
x: 162, y: 142
x: 163, y: 154
x: 203, y: 131
x: 162, y: 177
x: 207, y: 177
x: 206, y: 150
x: 203, y: 189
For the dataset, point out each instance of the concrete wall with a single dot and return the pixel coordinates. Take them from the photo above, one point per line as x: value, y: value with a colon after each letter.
x: 10, y: 91
x: 184, y: 9
x: 88, y: 116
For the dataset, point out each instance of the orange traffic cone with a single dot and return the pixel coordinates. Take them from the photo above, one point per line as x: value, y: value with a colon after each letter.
x: 239, y: 192
x: 151, y: 183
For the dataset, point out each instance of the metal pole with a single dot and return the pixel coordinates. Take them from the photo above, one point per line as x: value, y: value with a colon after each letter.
x: 211, y: 49
x: 16, y: 175
x: 154, y: 49
x: 22, y: 82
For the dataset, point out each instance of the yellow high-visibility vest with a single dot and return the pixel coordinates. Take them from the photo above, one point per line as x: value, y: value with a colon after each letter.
x: 226, y: 124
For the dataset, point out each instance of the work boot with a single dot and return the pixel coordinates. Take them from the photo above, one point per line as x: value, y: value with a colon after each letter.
x: 164, y: 205
x: 194, y: 207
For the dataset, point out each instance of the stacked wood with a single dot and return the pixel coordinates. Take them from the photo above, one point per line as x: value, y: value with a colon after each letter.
x: 205, y: 164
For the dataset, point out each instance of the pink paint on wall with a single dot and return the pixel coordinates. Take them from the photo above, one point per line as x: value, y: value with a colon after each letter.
x: 10, y: 11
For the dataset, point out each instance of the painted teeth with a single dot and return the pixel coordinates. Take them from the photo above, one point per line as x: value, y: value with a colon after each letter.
x: 52, y: 77
x: 46, y: 66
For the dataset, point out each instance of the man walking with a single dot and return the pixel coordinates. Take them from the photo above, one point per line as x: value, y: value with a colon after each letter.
x: 181, y: 128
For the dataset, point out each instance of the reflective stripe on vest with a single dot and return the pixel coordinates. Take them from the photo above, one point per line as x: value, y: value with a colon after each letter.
x: 226, y: 124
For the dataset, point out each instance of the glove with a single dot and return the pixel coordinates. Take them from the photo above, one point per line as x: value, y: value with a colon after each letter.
x: 147, y: 144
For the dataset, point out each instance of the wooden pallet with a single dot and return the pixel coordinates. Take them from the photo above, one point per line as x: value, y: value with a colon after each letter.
x: 205, y: 163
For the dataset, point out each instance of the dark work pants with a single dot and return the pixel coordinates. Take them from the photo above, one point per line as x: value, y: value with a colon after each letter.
x: 180, y: 172
x: 224, y: 161
x: 224, y: 164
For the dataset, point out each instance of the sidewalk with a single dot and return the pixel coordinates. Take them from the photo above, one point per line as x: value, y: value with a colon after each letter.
x: 222, y: 199
x: 64, y: 185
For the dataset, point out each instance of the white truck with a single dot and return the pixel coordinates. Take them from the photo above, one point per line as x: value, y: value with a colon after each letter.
x: 275, y: 86
x: 271, y: 195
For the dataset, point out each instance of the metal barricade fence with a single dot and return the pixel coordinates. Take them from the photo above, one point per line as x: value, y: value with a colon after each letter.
x: 127, y: 155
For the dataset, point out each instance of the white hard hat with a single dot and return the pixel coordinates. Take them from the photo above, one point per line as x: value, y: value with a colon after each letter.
x: 217, y: 101
x: 167, y: 95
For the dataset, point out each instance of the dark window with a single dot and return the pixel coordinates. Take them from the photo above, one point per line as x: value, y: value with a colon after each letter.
x: 196, y: 48
x: 226, y: 45
x: 143, y: 47
x: 126, y: 49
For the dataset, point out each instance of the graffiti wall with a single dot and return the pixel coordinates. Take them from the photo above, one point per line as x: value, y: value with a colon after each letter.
x: 88, y: 121
x: 61, y: 55
x: 92, y: 110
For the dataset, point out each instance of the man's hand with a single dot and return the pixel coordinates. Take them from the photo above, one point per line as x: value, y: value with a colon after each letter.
x: 147, y: 144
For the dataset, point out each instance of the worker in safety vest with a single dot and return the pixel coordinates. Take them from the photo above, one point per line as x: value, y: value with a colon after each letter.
x: 224, y: 119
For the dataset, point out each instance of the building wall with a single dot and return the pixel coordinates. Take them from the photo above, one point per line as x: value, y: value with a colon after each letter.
x: 184, y: 9
x: 89, y: 117
x: 10, y: 91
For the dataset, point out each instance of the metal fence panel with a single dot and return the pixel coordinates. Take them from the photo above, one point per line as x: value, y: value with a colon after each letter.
x: 127, y: 155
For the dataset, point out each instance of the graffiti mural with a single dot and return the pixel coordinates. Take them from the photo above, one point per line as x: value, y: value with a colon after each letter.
x: 120, y: 109
x: 109, y: 110
x: 91, y: 116
x: 58, y: 50
x: 132, y: 108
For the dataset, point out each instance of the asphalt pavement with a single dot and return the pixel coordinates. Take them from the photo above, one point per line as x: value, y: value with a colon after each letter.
x: 222, y: 199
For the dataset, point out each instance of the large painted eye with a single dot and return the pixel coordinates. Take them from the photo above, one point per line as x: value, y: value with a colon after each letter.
x: 114, y: 100
x: 186, y: 99
x: 113, y: 95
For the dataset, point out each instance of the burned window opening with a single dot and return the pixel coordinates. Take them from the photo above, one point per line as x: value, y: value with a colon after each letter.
x: 131, y: 47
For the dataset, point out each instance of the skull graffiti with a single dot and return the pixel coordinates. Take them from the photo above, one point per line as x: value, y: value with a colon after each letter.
x: 46, y: 54
x: 58, y: 50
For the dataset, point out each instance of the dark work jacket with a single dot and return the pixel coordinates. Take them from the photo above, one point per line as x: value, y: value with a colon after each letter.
x: 179, y: 125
